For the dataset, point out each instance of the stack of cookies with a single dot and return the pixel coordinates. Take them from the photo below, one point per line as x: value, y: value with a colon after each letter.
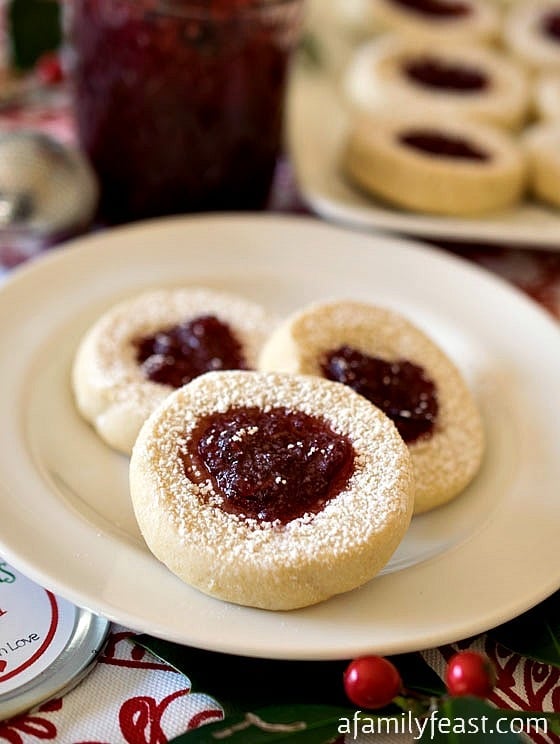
x: 454, y: 105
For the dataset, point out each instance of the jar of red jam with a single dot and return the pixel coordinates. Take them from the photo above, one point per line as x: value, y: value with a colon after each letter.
x: 179, y: 103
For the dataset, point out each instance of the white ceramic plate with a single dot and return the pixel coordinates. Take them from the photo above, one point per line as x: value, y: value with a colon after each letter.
x: 317, y: 126
x: 65, y: 516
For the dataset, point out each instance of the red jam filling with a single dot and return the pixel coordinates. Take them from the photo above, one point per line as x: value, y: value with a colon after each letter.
x: 436, y: 8
x: 274, y: 465
x: 550, y: 25
x: 176, y: 355
x: 441, y: 75
x: 442, y: 145
x: 180, y: 107
x: 402, y: 390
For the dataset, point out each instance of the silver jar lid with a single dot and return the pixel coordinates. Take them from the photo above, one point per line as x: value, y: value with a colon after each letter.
x: 45, y: 187
x: 47, y: 645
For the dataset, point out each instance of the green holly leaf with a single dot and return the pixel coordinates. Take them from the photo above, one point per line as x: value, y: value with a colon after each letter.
x: 456, y: 721
x: 311, y: 707
x: 309, y: 692
x: 296, y: 724
x: 257, y: 682
x: 34, y: 28
x: 467, y: 720
x: 535, y: 634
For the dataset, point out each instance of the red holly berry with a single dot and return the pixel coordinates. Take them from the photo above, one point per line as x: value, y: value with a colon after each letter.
x: 371, y: 682
x: 48, y: 68
x: 470, y: 673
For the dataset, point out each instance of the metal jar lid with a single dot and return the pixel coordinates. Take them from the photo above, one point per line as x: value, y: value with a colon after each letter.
x: 47, y: 645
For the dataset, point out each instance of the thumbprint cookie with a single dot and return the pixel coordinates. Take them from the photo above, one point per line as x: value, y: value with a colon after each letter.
x: 143, y: 348
x: 547, y: 96
x: 353, y: 16
x: 454, y: 168
x: 269, y: 490
x: 465, y: 81
x: 392, y: 363
x: 532, y: 34
x: 542, y: 142
x: 434, y: 20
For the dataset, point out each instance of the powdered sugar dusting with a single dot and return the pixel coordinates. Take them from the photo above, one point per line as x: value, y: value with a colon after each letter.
x: 444, y: 462
x: 378, y: 491
x: 106, y: 372
x: 151, y: 311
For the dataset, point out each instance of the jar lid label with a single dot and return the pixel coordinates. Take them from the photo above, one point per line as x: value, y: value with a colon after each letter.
x: 35, y: 628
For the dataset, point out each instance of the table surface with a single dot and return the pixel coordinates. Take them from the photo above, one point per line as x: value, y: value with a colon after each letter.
x: 130, y: 697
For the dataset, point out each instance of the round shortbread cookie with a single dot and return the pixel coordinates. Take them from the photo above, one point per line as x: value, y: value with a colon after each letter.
x: 433, y: 20
x: 532, y: 34
x: 542, y: 142
x: 456, y: 168
x: 466, y: 81
x: 547, y: 97
x: 354, y: 16
x: 272, y: 564
x: 111, y: 386
x: 445, y: 458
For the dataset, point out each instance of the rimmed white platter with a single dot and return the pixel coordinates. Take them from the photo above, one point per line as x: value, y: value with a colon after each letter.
x: 318, y: 123
x: 65, y: 515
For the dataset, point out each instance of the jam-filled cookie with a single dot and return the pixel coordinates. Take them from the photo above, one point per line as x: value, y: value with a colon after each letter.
x: 437, y: 20
x: 398, y: 368
x: 141, y: 349
x: 268, y: 490
x: 542, y: 142
x: 390, y: 74
x: 532, y: 33
x: 457, y: 168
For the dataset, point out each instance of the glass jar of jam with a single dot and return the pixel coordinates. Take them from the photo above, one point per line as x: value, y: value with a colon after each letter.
x: 179, y: 103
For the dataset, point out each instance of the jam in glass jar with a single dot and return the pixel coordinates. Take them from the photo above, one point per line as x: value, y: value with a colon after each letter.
x: 179, y: 103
